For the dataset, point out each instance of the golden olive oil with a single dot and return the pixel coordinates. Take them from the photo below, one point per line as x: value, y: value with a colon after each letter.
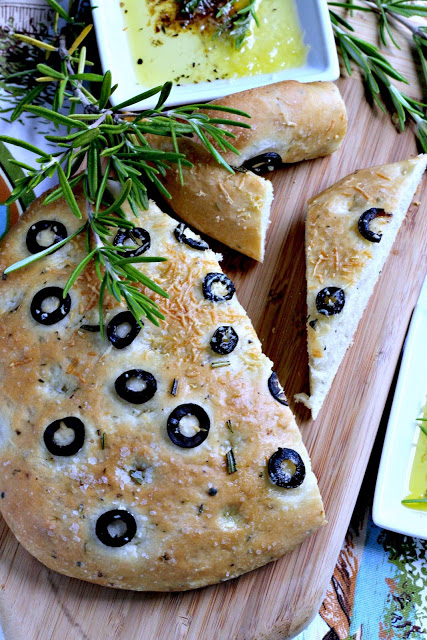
x: 418, y: 476
x: 192, y: 54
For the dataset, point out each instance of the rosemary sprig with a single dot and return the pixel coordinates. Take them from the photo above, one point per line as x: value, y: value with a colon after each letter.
x: 101, y: 147
x: 188, y: 7
x: 237, y: 24
x: 377, y: 70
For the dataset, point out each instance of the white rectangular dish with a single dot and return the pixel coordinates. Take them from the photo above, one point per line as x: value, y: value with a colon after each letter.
x: 115, y: 54
x: 402, y: 433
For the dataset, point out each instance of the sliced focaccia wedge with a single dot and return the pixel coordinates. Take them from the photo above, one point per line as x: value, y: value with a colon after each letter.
x: 163, y: 458
x: 350, y: 230
x: 290, y: 122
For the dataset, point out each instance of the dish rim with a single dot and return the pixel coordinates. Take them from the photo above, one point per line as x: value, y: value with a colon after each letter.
x: 115, y: 54
x: 395, y: 465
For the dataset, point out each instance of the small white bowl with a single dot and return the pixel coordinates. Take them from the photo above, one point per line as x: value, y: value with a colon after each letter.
x: 397, y: 456
x: 115, y: 54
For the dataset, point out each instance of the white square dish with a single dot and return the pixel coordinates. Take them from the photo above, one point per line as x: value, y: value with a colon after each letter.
x: 115, y: 54
x: 402, y: 433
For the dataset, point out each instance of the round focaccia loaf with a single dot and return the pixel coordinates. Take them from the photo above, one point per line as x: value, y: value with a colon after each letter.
x: 97, y: 480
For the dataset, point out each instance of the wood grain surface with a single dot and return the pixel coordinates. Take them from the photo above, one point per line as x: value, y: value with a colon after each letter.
x: 277, y: 601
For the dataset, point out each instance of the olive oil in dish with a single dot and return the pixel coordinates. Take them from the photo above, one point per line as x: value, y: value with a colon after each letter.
x: 418, y: 474
x: 166, y: 46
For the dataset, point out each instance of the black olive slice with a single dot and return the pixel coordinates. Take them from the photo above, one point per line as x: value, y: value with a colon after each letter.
x: 276, y: 389
x: 210, y: 279
x: 281, y: 477
x: 194, y: 243
x: 74, y: 446
x: 265, y: 162
x: 122, y: 520
x: 50, y: 317
x: 57, y: 228
x: 137, y: 236
x: 224, y: 340
x: 136, y: 397
x: 366, y: 218
x: 330, y: 301
x: 122, y: 318
x: 173, y: 425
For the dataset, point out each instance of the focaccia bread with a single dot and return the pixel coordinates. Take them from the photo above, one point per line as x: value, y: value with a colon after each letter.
x: 289, y: 122
x: 350, y: 230
x: 233, y: 208
x: 164, y: 458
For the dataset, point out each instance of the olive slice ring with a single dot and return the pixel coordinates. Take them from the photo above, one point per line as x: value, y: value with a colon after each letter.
x: 330, y: 301
x: 265, y: 162
x: 57, y: 228
x: 71, y: 448
x: 173, y: 425
x: 138, y: 236
x: 136, y: 397
x: 224, y: 340
x: 284, y: 478
x: 276, y: 389
x: 194, y: 243
x: 118, y: 341
x: 111, y: 518
x: 50, y: 317
x: 366, y: 218
x: 210, y: 279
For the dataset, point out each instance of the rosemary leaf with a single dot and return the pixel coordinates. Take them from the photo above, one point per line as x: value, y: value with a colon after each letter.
x: 121, y: 198
x: 77, y: 271
x: 77, y: 42
x: 55, y: 117
x: 105, y: 92
x: 34, y: 42
x: 137, y: 98
x: 36, y: 256
x: 67, y: 192
x: 27, y: 99
x: 421, y: 426
x: 24, y: 145
x: 59, y: 10
x: 231, y: 462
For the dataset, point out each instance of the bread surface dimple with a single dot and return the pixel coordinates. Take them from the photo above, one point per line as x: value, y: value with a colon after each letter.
x: 185, y: 535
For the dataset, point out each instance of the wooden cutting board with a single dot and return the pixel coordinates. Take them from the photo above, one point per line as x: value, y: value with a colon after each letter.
x: 279, y: 600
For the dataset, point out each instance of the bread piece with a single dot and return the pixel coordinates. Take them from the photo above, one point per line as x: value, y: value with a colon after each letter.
x: 339, y: 256
x: 232, y: 208
x: 297, y: 121
x: 196, y: 523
